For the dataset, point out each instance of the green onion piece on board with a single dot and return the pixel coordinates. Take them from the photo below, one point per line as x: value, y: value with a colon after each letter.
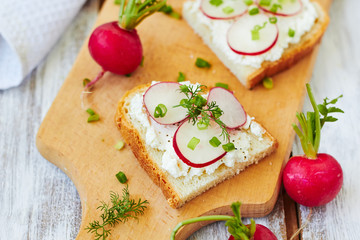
x: 201, y: 63
x: 223, y: 85
x: 228, y: 147
x: 160, y: 111
x: 215, y: 142
x: 181, y: 77
x: 119, y: 145
x: 268, y: 83
x: 94, y: 118
x: 121, y: 177
x: 90, y: 111
x: 86, y: 81
x: 193, y: 143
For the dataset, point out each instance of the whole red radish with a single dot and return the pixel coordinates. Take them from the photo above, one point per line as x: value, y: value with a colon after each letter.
x: 235, y: 226
x: 313, y: 179
x: 116, y: 46
x: 261, y: 233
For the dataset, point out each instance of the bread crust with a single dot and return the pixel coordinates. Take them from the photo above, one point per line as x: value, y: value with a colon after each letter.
x: 161, y: 178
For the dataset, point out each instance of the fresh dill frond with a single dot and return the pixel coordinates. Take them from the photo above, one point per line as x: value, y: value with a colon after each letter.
x: 120, y: 209
x: 199, y: 110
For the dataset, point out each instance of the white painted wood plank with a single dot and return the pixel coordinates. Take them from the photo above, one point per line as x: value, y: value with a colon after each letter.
x: 337, y: 71
x: 38, y: 201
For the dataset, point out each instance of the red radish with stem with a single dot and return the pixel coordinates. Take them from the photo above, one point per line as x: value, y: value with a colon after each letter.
x: 313, y: 179
x: 116, y: 46
x: 235, y: 226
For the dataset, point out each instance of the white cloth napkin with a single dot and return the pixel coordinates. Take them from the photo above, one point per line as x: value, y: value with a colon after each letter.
x: 28, y: 30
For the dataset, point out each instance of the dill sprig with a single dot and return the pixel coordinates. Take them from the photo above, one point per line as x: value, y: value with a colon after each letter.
x: 121, y: 209
x: 200, y: 111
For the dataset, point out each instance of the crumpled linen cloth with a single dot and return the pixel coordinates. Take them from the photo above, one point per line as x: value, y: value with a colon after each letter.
x: 28, y: 30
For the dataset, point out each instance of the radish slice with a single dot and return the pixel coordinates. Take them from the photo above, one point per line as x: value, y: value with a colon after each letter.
x: 166, y: 93
x: 288, y: 8
x: 204, y: 153
x: 226, y: 10
x: 239, y: 36
x: 234, y: 115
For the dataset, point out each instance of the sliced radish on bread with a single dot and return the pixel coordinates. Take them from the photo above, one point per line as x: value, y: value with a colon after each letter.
x: 285, y: 8
x: 193, y: 146
x: 165, y: 94
x: 234, y: 115
x: 225, y: 9
x: 241, y: 35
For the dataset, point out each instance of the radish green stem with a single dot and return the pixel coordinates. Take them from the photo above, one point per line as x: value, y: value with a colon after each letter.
x: 317, y: 119
x: 98, y: 77
x: 199, y: 219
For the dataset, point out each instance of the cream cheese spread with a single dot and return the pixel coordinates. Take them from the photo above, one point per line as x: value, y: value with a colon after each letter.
x: 160, y: 137
x: 217, y: 30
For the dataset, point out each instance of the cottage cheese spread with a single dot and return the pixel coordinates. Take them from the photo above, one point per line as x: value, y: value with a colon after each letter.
x: 160, y: 137
x: 217, y: 30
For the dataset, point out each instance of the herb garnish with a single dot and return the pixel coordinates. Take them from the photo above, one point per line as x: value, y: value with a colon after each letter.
x: 93, y: 116
x: 291, y: 32
x: 121, y: 209
x: 199, y: 110
x: 181, y: 77
x: 216, y: 3
x: 255, y: 35
x: 201, y: 63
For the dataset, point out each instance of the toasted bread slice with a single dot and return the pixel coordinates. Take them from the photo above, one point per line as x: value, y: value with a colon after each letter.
x: 249, y: 75
x: 179, y: 190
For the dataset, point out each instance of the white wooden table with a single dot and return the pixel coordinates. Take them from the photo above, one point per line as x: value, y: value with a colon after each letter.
x: 38, y: 201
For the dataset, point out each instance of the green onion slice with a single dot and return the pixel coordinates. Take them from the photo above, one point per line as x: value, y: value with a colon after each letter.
x: 228, y: 147
x: 160, y: 111
x: 216, y: 3
x: 201, y: 63
x: 228, y: 10
x: 181, y: 77
x: 254, y: 11
x: 268, y: 83
x: 291, y: 32
x: 275, y: 7
x: 248, y: 2
x: 255, y: 35
x: 119, y: 145
x: 273, y: 20
x: 265, y: 2
x: 215, y: 142
x: 90, y: 111
x: 94, y: 118
x: 121, y: 177
x: 223, y: 85
x: 201, y: 125
x: 193, y: 143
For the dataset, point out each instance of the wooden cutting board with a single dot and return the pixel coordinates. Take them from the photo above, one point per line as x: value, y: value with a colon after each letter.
x: 86, y: 153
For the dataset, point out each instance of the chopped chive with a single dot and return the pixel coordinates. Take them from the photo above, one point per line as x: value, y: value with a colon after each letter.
x: 175, y: 15
x: 181, y: 77
x: 275, y: 7
x: 248, y: 2
x: 94, y: 118
x: 90, y: 111
x: 215, y: 142
x: 121, y: 177
x: 223, y: 85
x: 291, y: 32
x: 228, y: 10
x: 86, y: 81
x: 255, y: 35
x: 254, y: 11
x: 160, y: 111
x: 201, y: 125
x: 119, y: 145
x: 193, y: 143
x: 201, y: 63
x: 268, y: 83
x: 265, y: 2
x: 142, y: 62
x: 273, y: 20
x: 216, y: 3
x: 228, y: 147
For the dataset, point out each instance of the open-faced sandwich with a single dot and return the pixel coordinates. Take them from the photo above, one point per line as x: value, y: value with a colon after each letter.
x: 189, y: 139
x: 257, y: 38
